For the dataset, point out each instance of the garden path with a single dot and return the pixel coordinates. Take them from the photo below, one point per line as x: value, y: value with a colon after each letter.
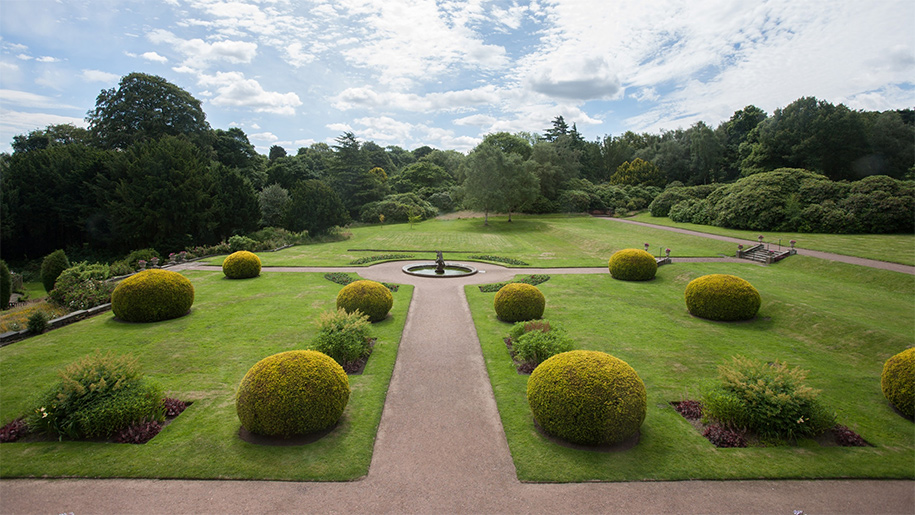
x: 872, y: 263
x: 441, y: 449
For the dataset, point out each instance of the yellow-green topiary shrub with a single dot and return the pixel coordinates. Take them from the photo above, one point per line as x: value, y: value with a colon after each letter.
x: 241, y: 265
x: 292, y: 393
x: 151, y: 296
x: 372, y: 298
x: 587, y: 397
x: 722, y: 297
x: 633, y: 265
x: 517, y: 302
x: 898, y: 381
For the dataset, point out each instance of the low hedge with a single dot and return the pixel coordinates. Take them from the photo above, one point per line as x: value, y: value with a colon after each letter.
x: 633, y: 265
x: 152, y: 296
x: 898, y: 381
x: 722, y: 297
x: 587, y: 397
x: 372, y: 298
x: 241, y: 265
x: 292, y: 393
x: 517, y: 302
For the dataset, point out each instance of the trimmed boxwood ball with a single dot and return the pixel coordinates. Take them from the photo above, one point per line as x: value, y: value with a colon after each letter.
x: 722, y: 297
x: 241, y: 265
x: 152, y: 295
x: 292, y: 393
x: 517, y: 302
x: 372, y: 298
x: 587, y: 397
x: 898, y: 381
x: 633, y: 265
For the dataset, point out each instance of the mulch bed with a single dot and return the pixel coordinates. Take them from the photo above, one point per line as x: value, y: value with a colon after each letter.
x: 691, y: 410
x: 139, y: 433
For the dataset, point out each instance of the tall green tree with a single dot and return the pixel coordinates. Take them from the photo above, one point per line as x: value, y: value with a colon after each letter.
x: 236, y: 210
x: 350, y: 175
x: 40, y: 139
x: 314, y: 207
x: 497, y: 180
x: 273, y: 201
x: 143, y: 108
x: 639, y: 173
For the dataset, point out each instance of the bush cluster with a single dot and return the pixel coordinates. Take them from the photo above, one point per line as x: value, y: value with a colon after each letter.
x: 398, y: 208
x: 769, y: 399
x: 516, y: 302
x: 790, y: 199
x: 343, y: 336
x: 83, y: 286
x: 151, y: 296
x: 370, y: 297
x: 898, y: 381
x: 722, y: 297
x: 51, y: 267
x: 238, y: 243
x: 587, y: 397
x: 536, y: 341
x: 38, y: 322
x: 292, y: 393
x: 241, y: 265
x: 131, y: 262
x: 533, y: 280
x: 96, y: 396
x: 632, y: 265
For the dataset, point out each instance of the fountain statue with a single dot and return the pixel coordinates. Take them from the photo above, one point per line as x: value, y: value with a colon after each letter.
x: 439, y: 263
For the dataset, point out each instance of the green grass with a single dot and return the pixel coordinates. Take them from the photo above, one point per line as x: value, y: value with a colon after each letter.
x: 840, y: 322
x: 544, y: 241
x: 201, y: 358
x: 895, y: 248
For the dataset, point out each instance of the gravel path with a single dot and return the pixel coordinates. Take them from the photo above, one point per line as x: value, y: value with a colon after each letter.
x: 441, y: 448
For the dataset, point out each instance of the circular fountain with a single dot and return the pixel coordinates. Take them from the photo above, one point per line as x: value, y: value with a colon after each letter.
x: 439, y: 268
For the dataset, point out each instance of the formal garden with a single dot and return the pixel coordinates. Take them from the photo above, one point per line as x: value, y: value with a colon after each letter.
x: 821, y: 329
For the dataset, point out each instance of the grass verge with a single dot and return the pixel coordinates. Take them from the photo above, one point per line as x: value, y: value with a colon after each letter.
x: 201, y: 358
x: 840, y: 322
x: 895, y: 248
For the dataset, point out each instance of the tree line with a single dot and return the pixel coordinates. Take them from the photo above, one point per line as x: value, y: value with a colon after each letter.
x: 149, y: 171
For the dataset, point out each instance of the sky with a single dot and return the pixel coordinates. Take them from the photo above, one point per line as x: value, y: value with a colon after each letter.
x: 444, y: 73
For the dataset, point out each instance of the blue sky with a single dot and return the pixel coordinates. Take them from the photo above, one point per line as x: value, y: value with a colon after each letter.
x: 444, y: 73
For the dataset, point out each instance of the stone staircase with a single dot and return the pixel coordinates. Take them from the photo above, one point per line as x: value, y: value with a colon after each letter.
x: 762, y: 254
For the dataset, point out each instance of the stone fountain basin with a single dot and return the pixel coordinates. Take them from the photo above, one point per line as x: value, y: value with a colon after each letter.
x: 428, y: 270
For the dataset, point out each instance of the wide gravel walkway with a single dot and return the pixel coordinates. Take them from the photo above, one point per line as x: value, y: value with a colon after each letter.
x: 441, y: 449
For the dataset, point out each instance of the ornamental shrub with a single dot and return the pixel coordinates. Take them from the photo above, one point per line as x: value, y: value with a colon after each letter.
x: 633, y: 265
x: 241, y: 265
x: 237, y: 243
x: 292, y: 393
x: 535, y: 347
x: 152, y: 296
x: 768, y: 399
x: 587, y: 397
x: 898, y: 381
x: 343, y: 336
x: 722, y: 297
x: 372, y: 298
x: 51, y: 267
x: 83, y: 286
x: 6, y: 285
x: 516, y: 302
x: 96, y: 396
x: 38, y: 322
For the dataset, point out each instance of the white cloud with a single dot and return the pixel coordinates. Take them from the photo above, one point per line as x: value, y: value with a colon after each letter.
x: 200, y: 54
x: 47, y: 59
x: 154, y: 57
x: 24, y: 57
x: 339, y: 127
x: 28, y: 99
x: 368, y: 97
x: 268, y: 137
x: 234, y: 90
x: 99, y: 76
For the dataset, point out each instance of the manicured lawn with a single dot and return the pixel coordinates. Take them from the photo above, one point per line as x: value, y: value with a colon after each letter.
x: 895, y: 248
x: 544, y: 241
x: 840, y: 322
x: 201, y: 358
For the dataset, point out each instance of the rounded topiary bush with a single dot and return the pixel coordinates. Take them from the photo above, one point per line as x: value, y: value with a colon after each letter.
x: 587, y: 397
x: 517, y: 302
x: 722, y: 297
x: 372, y: 298
x: 151, y: 296
x: 633, y: 265
x: 292, y: 393
x: 241, y: 265
x: 51, y: 267
x: 898, y: 381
